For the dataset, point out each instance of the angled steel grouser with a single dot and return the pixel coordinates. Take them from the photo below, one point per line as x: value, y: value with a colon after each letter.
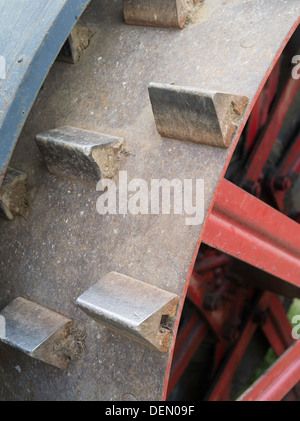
x: 138, y: 310
x: 77, y: 42
x: 34, y: 329
x: 164, y: 13
x: 80, y: 154
x: 197, y: 115
x: 13, y: 194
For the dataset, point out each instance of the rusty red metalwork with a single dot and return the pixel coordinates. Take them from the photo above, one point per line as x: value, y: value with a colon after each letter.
x: 280, y: 323
x: 248, y: 229
x: 277, y: 330
x: 259, y: 114
x: 224, y: 375
x: 283, y: 375
x: 262, y: 149
x: 218, y: 302
x: 188, y: 341
x: 288, y: 171
x: 267, y: 313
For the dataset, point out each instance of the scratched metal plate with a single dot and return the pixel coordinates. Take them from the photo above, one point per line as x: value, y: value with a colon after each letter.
x: 65, y: 246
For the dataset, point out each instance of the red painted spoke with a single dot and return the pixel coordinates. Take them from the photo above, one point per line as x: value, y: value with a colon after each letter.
x: 188, y: 341
x: 248, y: 229
x: 273, y: 338
x: 230, y: 364
x: 263, y: 148
x: 261, y: 109
x: 281, y: 321
x: 283, y: 375
x: 291, y: 164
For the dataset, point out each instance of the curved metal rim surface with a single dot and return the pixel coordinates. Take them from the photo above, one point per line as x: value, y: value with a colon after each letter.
x: 64, y: 247
x: 33, y: 37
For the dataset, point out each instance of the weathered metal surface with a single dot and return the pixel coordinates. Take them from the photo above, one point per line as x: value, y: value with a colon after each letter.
x: 77, y: 42
x: 80, y: 154
x: 34, y: 330
x: 32, y: 34
x: 65, y: 246
x: 13, y: 194
x: 138, y: 310
x: 161, y: 13
x: 196, y: 115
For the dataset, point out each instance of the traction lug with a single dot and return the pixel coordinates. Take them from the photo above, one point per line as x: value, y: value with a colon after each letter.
x: 138, y: 310
x: 80, y: 154
x: 196, y: 115
x: 34, y: 330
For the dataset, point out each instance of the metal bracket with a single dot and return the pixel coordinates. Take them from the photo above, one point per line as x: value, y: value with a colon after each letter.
x: 140, y: 311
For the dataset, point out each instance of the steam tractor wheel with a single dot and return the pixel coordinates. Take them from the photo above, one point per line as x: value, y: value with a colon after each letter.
x: 149, y: 161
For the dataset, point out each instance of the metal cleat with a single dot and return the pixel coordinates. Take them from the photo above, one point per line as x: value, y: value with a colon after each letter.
x: 161, y: 13
x: 80, y: 154
x: 140, y: 311
x: 13, y: 194
x: 196, y: 115
x: 77, y: 42
x: 34, y: 330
